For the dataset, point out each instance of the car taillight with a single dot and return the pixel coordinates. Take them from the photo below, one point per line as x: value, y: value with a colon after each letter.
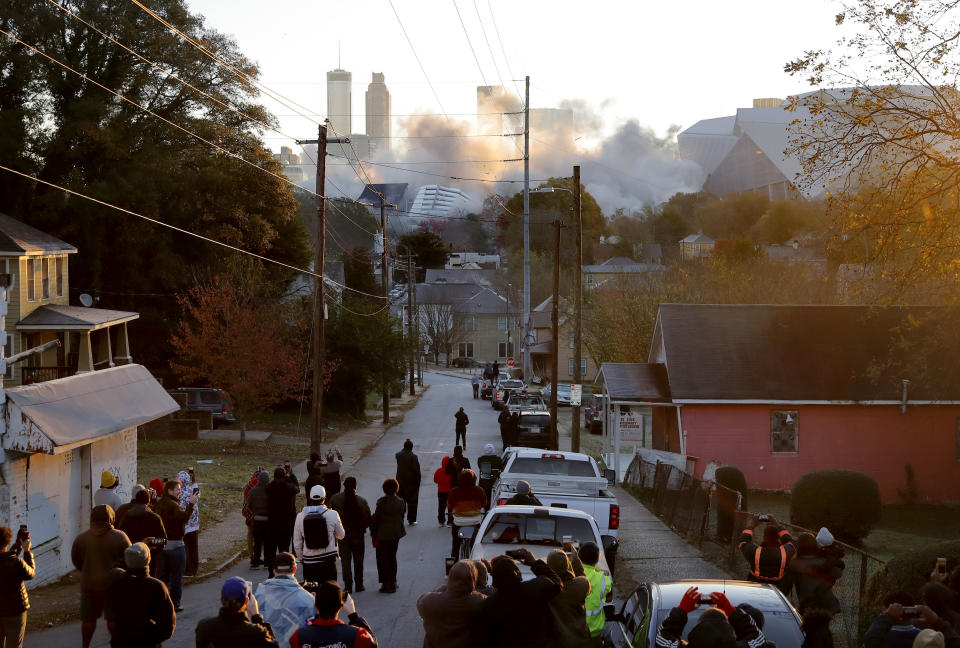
x: 501, y: 501
x: 614, y: 522
x: 551, y: 456
x: 223, y: 408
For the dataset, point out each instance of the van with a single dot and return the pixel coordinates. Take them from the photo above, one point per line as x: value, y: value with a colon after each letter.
x: 208, y: 398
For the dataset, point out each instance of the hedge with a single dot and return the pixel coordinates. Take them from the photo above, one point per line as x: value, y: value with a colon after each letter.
x: 845, y: 501
x: 909, y: 571
x: 733, y: 478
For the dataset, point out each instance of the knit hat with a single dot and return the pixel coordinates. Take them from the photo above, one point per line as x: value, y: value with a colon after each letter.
x: 712, y: 631
x: 236, y: 589
x: 157, y: 485
x: 523, y: 487
x: 107, y: 479
x: 824, y: 537
x: 136, y: 556
x: 136, y: 489
x: 318, y: 492
x: 504, y: 572
x: 489, y: 449
x: 560, y: 564
x: 263, y: 477
x: 928, y: 638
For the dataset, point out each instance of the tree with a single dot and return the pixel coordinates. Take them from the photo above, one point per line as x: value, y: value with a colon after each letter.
x: 67, y: 130
x: 885, y: 142
x: 441, y: 327
x: 429, y: 248
x: 214, y: 339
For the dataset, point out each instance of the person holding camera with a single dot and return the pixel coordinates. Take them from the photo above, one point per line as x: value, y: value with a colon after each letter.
x: 14, y: 570
x: 174, y: 556
x: 239, y: 624
x: 282, y: 601
x: 721, y: 625
x: 901, y: 622
x: 768, y: 561
x: 518, y: 612
x: 325, y: 629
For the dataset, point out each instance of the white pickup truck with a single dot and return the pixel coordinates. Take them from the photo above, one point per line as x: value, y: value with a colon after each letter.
x: 539, y: 529
x: 570, y: 480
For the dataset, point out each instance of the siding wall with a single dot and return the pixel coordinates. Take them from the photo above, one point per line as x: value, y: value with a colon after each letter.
x: 876, y: 440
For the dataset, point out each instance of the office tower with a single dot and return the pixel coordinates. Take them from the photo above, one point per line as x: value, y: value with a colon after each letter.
x: 378, y: 112
x: 339, y: 102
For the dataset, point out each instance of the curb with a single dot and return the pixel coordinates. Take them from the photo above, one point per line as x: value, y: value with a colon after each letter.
x: 213, y: 572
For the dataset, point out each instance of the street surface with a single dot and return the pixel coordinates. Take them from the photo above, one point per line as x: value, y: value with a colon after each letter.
x: 421, y: 556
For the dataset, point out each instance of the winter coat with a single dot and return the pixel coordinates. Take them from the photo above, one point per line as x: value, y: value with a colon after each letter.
x: 454, y: 466
x: 315, y: 478
x: 335, y: 531
x: 174, y: 518
x: 140, y: 523
x: 139, y: 610
x: 462, y: 421
x: 13, y: 593
x: 285, y: 605
x: 740, y: 632
x: 441, y: 478
x: 518, y: 613
x: 231, y: 629
x: 257, y: 501
x: 387, y: 522
x: 408, y: 473
x: 98, y: 550
x: 330, y: 469
x: 450, y: 614
x: 281, y: 502
x: 108, y: 497
x: 467, y: 499
x: 355, y: 521
x: 567, y: 609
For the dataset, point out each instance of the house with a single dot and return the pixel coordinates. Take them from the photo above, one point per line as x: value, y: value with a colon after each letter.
x: 460, y: 275
x: 541, y: 352
x: 696, y: 246
x: 76, y: 410
x: 618, y: 268
x: 780, y: 391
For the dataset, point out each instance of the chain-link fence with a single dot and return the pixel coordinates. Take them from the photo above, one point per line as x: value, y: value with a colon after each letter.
x: 709, y: 516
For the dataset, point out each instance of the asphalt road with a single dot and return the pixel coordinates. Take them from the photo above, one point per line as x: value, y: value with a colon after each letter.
x: 393, y: 617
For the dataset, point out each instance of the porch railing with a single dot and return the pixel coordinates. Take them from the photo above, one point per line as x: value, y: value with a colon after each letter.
x: 32, y: 375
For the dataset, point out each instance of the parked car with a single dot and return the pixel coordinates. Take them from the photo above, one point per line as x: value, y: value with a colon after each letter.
x: 208, y: 398
x: 518, y: 401
x: 534, y: 430
x: 636, y: 625
x: 504, y: 388
x: 563, y: 393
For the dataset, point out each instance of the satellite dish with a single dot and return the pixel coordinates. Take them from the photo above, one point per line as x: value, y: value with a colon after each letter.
x: 86, y: 300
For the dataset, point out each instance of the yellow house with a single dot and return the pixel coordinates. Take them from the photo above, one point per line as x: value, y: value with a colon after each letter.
x: 39, y: 311
x: 696, y: 246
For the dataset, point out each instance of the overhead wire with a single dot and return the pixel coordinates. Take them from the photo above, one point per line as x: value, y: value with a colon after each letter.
x: 419, y: 62
x: 467, y: 36
x: 489, y: 48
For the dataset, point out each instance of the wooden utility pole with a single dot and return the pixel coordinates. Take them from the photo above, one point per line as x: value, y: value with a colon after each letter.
x: 414, y: 344
x: 385, y: 286
x: 577, y: 311
x: 527, y: 327
x: 555, y: 326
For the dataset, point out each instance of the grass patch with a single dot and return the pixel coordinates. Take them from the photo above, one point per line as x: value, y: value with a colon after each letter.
x: 295, y: 421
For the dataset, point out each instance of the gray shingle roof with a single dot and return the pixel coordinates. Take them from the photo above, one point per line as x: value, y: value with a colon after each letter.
x: 58, y: 315
x: 635, y: 381
x: 18, y: 237
x: 467, y: 298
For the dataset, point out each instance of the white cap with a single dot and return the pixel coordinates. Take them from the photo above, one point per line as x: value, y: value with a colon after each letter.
x: 317, y: 492
x: 489, y: 449
x: 824, y: 537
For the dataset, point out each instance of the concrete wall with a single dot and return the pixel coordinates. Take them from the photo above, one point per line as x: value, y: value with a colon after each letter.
x: 876, y: 440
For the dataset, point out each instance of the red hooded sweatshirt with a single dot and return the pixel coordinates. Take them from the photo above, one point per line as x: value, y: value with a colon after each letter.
x: 441, y: 478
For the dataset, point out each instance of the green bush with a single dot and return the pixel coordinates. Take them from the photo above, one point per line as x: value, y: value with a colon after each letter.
x: 909, y: 571
x: 845, y: 501
x: 732, y: 478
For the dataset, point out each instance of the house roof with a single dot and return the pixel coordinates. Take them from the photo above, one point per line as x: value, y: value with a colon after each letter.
x: 60, y: 317
x: 541, y: 319
x: 618, y: 261
x: 699, y: 237
x: 460, y: 275
x: 806, y: 353
x: 393, y: 192
x: 19, y: 238
x: 631, y: 268
x: 635, y: 381
x: 466, y: 298
x: 89, y: 406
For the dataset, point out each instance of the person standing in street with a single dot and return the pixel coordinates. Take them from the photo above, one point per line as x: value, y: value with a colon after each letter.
x: 408, y: 476
x: 95, y: 552
x: 139, y: 611
x: 601, y: 589
x: 488, y: 464
x: 173, y: 560
x: 355, y: 514
x: 504, y: 421
x: 567, y: 608
x: 461, y: 428
x: 239, y: 622
x: 291, y: 478
x: 325, y: 629
x: 456, y: 464
x: 330, y: 469
x: 14, y: 603
x: 518, y: 612
x: 442, y: 480
x: 107, y: 493
x: 282, y: 514
x: 466, y: 502
x: 281, y: 601
x: 451, y: 613
x: 475, y: 382
x: 768, y: 562
x: 259, y: 504
x: 191, y: 532
x: 141, y: 523
x: 386, y: 528
x: 315, y: 535
x: 120, y: 512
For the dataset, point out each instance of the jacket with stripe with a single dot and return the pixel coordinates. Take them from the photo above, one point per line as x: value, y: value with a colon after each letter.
x: 768, y: 564
x: 748, y: 635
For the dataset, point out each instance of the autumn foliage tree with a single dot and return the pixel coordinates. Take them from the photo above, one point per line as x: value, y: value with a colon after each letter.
x: 236, y: 334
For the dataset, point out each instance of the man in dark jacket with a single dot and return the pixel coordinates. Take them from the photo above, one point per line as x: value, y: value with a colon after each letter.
x: 355, y: 515
x: 768, y: 562
x: 95, y: 552
x: 518, y: 613
x: 13, y: 593
x: 259, y: 504
x: 386, y: 529
x: 722, y: 626
x: 451, y: 614
x: 139, y: 610
x: 173, y: 561
x: 524, y: 496
x: 408, y: 476
x: 461, y: 427
x: 326, y: 629
x: 281, y: 514
x: 232, y: 628
x: 140, y: 524
x: 504, y: 421
x: 122, y: 511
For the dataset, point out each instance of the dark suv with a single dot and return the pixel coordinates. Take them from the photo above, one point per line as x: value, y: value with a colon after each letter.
x: 208, y: 398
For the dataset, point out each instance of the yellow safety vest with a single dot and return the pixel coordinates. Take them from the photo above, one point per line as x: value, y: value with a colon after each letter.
x: 600, y: 586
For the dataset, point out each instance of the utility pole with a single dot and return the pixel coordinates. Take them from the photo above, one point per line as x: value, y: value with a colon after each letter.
x: 577, y: 310
x: 414, y: 344
x: 527, y: 373
x: 555, y: 326
x: 319, y: 285
x: 385, y: 286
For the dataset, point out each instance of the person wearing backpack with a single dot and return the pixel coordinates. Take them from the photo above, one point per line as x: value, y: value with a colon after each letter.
x: 315, y: 534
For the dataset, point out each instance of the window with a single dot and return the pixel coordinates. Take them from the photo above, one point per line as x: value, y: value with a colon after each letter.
x: 571, y: 340
x: 45, y: 277
x: 31, y: 280
x: 7, y: 352
x: 60, y: 263
x: 505, y: 350
x: 783, y: 431
x: 465, y: 350
x: 469, y: 323
x: 583, y: 366
x: 502, y: 323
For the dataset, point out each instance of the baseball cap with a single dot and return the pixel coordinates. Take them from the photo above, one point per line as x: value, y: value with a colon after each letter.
x: 236, y: 589
x: 318, y: 492
x: 136, y: 556
x: 284, y: 562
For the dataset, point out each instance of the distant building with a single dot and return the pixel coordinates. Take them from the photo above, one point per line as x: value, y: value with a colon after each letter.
x: 481, y: 277
x: 618, y: 267
x: 291, y: 163
x: 541, y: 352
x: 378, y: 112
x: 436, y: 200
x: 340, y: 102
x: 470, y: 259
x: 696, y: 246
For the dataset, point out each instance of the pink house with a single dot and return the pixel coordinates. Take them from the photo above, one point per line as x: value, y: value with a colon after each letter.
x: 779, y: 391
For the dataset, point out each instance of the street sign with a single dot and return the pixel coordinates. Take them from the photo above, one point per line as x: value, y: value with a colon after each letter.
x: 576, y: 395
x: 510, y: 362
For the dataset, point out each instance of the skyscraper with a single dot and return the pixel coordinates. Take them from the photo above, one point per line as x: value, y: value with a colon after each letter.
x: 339, y: 102
x: 378, y: 112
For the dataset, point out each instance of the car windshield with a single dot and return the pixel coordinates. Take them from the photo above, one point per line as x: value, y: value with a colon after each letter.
x: 525, y: 401
x: 551, y: 466
x: 550, y: 531
x: 210, y: 397
x: 511, y: 384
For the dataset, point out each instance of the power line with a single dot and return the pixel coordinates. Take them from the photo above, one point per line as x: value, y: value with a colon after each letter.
x: 416, y: 162
x: 490, y: 49
x: 435, y: 175
x: 391, y: 115
x: 506, y: 61
x: 416, y: 56
x: 472, y: 51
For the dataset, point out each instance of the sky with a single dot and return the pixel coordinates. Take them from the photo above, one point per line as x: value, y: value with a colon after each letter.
x: 635, y: 68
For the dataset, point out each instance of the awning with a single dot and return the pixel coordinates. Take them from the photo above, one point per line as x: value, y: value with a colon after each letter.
x: 85, y: 407
x: 58, y: 317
